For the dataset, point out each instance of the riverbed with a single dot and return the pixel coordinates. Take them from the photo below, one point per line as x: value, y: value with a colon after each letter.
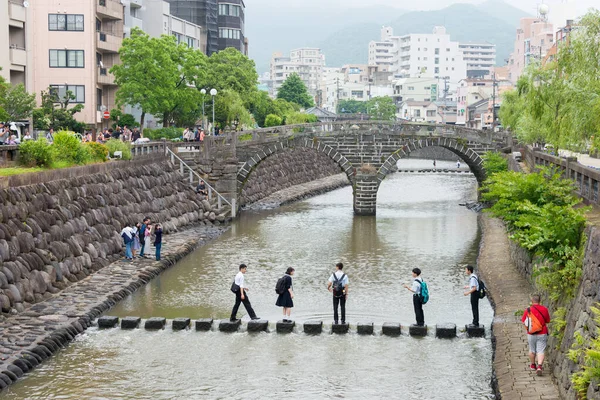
x: 419, y: 223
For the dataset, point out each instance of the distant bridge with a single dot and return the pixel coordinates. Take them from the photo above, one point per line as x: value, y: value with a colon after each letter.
x: 366, y: 151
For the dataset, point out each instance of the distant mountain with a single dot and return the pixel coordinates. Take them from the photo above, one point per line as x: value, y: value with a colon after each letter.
x: 464, y: 22
x: 283, y: 28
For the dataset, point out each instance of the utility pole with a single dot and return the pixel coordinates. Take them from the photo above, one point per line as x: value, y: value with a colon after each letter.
x: 493, y: 102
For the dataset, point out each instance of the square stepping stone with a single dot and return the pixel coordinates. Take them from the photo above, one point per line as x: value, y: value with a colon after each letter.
x: 364, y: 328
x: 130, y: 322
x: 417, y: 331
x: 475, y: 331
x: 285, y: 327
x: 155, y: 323
x: 229, y: 326
x: 313, y: 327
x: 391, y: 329
x: 260, y: 325
x: 204, y: 324
x: 445, y: 331
x: 340, y: 328
x: 180, y: 324
x: 107, y: 322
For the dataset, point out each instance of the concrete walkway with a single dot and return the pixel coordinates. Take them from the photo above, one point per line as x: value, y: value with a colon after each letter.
x: 509, y: 293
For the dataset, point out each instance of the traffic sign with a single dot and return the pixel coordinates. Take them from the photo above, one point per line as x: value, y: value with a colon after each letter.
x: 106, y: 115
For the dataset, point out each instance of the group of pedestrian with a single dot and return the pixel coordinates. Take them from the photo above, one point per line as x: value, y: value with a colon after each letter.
x: 337, y: 284
x: 121, y: 133
x: 138, y: 237
x: 536, y: 317
x: 193, y: 135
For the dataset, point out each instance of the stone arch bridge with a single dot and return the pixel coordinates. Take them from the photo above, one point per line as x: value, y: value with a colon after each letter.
x: 365, y: 151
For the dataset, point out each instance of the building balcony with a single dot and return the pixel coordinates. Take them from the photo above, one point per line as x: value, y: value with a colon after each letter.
x: 18, y: 56
x: 136, y: 3
x: 105, y: 77
x: 110, y: 9
x: 108, y: 43
x: 16, y: 11
x: 137, y: 23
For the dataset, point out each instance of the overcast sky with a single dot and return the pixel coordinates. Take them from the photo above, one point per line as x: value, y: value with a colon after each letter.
x: 579, y: 7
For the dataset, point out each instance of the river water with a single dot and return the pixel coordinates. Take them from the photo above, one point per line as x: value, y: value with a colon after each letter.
x: 419, y: 223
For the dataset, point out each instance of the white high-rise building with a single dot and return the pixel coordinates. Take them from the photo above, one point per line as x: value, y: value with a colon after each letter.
x: 308, y: 63
x: 383, y: 53
x: 480, y: 58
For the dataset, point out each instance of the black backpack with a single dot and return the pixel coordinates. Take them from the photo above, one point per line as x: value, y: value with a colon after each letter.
x: 482, y: 288
x: 280, y: 285
x: 338, y: 287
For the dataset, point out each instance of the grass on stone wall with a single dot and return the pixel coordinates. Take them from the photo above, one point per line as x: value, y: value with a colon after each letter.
x: 587, y: 356
x: 10, y: 171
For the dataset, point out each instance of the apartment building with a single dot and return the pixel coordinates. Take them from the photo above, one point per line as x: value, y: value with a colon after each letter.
x: 15, y: 41
x: 535, y: 36
x: 223, y: 21
x: 382, y: 54
x: 308, y: 63
x: 471, y: 94
x: 480, y: 58
x: 154, y: 17
x: 76, y: 44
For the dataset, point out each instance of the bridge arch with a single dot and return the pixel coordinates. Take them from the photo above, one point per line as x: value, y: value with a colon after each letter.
x: 458, y: 147
x: 256, y: 156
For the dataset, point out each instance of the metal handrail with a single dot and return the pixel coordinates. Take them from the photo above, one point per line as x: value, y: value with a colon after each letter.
x: 182, y: 164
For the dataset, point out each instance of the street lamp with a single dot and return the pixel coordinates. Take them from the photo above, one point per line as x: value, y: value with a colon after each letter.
x: 203, y: 92
x: 213, y: 93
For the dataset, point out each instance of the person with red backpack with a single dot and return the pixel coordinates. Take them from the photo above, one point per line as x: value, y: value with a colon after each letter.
x: 536, y: 318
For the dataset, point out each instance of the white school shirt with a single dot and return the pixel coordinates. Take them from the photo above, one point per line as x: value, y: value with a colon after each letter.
x: 473, y: 281
x: 339, y: 274
x: 416, y: 286
x: 239, y: 279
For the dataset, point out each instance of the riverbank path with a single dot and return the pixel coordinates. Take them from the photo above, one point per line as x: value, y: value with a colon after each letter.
x: 510, y: 292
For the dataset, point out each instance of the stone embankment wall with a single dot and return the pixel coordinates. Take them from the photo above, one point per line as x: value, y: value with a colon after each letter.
x: 434, y: 153
x: 579, y: 316
x: 56, y: 233
x: 289, y: 167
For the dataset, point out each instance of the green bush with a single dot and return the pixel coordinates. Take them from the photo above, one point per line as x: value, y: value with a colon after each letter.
x: 116, y: 145
x: 36, y: 153
x: 541, y: 215
x: 587, y: 356
x: 493, y: 162
x: 273, y: 120
x: 68, y: 148
x: 163, y: 133
x: 300, y: 118
x: 98, y: 151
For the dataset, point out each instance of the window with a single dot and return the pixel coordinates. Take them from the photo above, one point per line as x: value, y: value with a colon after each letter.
x: 437, y: 60
x: 78, y: 92
x: 231, y: 10
x: 431, y: 113
x: 227, y: 33
x: 437, y: 70
x: 66, y: 59
x: 411, y: 88
x: 178, y: 37
x: 191, y: 42
x: 448, y: 49
x: 65, y: 22
x: 427, y: 88
x: 437, y: 51
x: 417, y: 113
x: 357, y: 93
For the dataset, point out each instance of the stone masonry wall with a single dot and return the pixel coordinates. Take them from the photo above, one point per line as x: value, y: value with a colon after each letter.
x: 289, y: 167
x: 579, y: 316
x: 55, y: 233
x: 434, y: 153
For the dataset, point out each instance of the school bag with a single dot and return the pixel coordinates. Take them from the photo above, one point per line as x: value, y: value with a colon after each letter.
x: 338, y: 286
x: 482, y: 288
x: 280, y: 285
x: 424, y: 295
x: 532, y: 322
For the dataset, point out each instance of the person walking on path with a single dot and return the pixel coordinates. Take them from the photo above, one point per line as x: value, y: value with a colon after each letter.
x: 473, y: 291
x: 415, y: 288
x: 434, y: 164
x: 458, y: 164
x: 158, y: 240
x: 240, y: 289
x: 127, y: 235
x: 145, y: 236
x: 136, y: 246
x: 536, y: 319
x: 338, y: 285
x: 285, y: 299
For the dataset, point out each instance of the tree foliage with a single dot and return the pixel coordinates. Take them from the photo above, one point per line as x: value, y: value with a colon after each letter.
x: 231, y: 70
x: 352, y: 106
x: 17, y: 103
x: 541, y: 214
x: 273, y: 120
x: 382, y: 108
x: 559, y: 102
x: 57, y: 112
x: 294, y: 91
x: 493, y: 162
